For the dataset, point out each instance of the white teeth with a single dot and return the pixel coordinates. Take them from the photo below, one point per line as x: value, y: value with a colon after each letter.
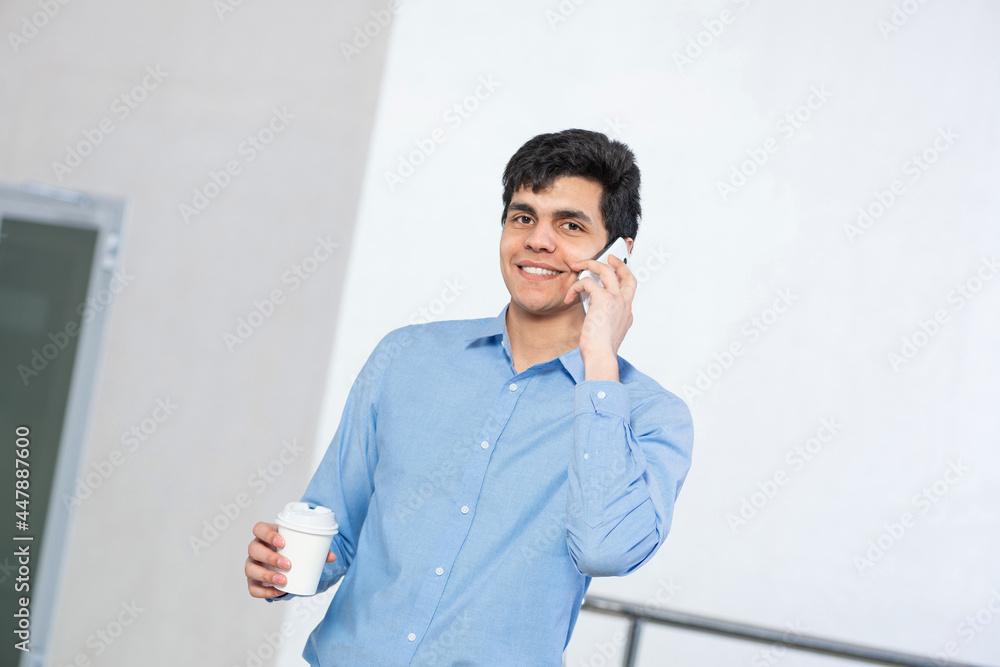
x: 537, y: 271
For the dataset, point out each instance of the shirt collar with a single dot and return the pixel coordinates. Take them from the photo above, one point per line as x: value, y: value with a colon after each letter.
x: 571, y: 360
x: 494, y: 327
x: 573, y: 363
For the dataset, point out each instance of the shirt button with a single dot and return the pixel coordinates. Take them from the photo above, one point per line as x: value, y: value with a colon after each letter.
x: 513, y: 386
x: 465, y: 509
x: 411, y: 636
x: 485, y: 445
x: 601, y: 394
x: 439, y: 571
x: 586, y: 455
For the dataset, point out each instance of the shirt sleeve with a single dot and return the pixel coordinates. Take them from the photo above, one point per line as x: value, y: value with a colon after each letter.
x: 344, y: 479
x: 629, y: 462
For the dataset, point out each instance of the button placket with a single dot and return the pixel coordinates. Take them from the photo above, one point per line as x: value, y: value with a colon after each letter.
x: 469, y: 490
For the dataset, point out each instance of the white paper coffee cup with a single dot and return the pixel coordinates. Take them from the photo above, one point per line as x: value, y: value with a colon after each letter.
x: 308, y: 532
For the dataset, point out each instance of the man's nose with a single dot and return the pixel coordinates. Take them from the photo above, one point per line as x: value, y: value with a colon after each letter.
x: 541, y: 238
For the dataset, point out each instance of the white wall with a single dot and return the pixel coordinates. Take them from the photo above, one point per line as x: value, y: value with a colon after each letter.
x: 878, y: 100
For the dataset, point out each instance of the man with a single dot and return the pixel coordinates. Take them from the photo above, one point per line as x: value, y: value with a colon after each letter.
x: 484, y: 470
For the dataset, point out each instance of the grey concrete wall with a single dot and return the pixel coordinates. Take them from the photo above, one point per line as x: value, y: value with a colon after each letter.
x: 159, y: 101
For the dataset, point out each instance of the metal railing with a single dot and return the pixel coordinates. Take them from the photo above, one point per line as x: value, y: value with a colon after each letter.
x: 638, y: 615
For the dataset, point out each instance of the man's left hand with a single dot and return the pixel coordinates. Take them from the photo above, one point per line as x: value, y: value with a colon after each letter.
x: 608, y: 317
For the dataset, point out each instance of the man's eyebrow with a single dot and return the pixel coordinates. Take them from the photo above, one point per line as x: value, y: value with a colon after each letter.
x: 519, y: 206
x: 568, y: 213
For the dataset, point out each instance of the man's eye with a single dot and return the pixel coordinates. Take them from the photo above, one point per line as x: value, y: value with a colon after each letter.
x: 522, y: 218
x: 572, y: 226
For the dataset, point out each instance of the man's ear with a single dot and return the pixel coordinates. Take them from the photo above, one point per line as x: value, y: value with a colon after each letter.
x: 628, y: 242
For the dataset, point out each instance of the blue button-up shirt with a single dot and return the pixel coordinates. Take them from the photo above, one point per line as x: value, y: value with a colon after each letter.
x: 475, y: 503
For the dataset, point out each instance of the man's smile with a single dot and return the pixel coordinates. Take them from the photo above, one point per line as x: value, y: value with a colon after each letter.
x: 537, y: 270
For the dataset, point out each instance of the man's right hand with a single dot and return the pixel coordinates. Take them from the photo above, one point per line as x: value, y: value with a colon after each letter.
x: 261, y: 579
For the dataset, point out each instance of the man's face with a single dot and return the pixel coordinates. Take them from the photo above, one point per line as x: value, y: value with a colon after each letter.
x: 543, y: 234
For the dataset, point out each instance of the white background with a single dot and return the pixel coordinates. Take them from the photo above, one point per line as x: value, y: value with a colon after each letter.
x: 612, y: 67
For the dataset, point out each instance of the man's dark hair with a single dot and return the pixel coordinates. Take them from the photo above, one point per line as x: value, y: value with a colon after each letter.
x: 586, y: 154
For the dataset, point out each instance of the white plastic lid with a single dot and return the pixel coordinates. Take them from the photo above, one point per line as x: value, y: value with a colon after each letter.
x: 308, y: 519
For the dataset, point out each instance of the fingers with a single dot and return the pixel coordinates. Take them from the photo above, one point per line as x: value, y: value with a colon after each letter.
x: 605, y: 272
x: 268, y: 533
x: 618, y: 280
x: 578, y: 288
x: 266, y: 555
x: 614, y: 275
x: 626, y: 278
x: 262, y: 558
x: 261, y: 581
x: 589, y: 284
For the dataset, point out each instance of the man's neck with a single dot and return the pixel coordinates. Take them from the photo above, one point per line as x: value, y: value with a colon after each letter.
x: 538, y: 338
